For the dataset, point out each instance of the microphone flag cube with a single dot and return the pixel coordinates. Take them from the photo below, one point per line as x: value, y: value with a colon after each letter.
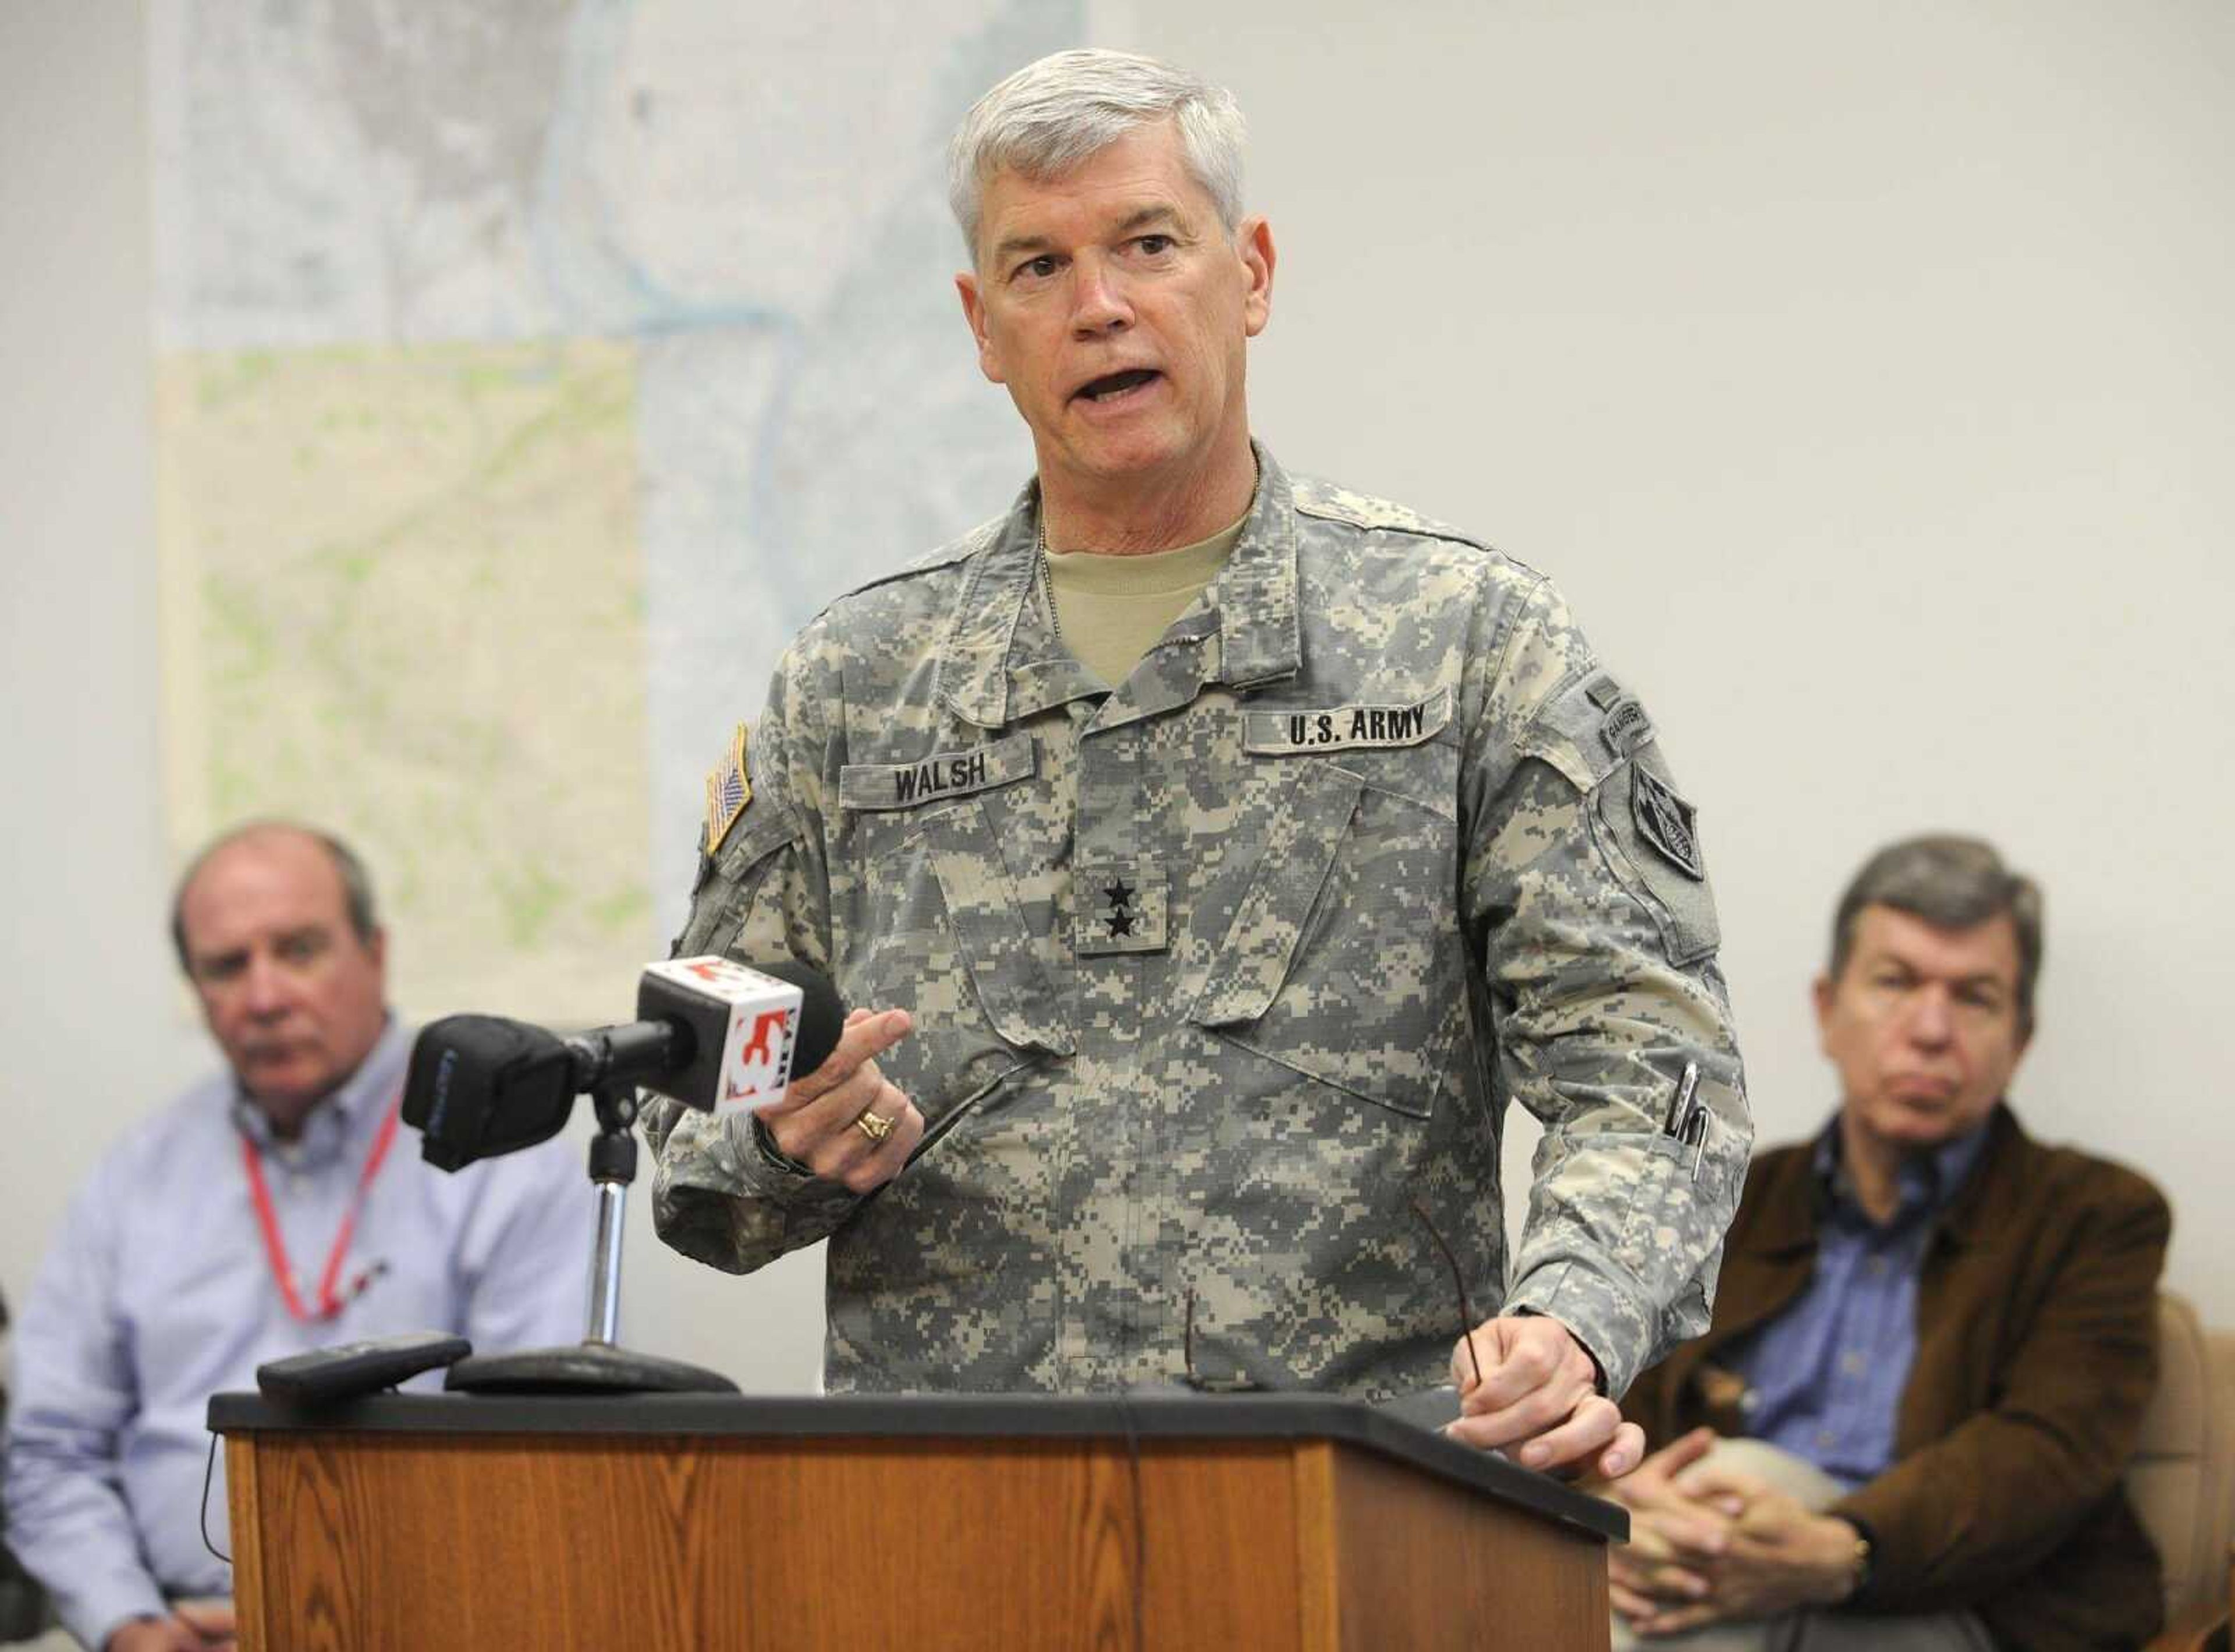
x: 745, y: 1028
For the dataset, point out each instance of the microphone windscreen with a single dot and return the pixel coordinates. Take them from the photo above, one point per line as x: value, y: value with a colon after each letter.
x: 821, y: 1013
x: 480, y: 1085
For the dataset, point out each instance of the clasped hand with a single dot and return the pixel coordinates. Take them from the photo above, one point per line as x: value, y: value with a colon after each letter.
x: 190, y: 1626
x: 1709, y: 1543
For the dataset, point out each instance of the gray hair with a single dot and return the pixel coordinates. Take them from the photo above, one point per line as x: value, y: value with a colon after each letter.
x: 1952, y: 882
x: 356, y: 882
x: 1069, y: 106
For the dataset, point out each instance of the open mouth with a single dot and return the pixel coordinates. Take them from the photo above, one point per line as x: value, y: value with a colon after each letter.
x: 1111, y: 386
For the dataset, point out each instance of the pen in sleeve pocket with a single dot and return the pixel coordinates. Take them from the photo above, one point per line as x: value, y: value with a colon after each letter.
x: 1680, y: 1104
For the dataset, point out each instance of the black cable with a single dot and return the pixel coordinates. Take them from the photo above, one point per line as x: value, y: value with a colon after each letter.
x: 209, y: 1474
x: 1140, y: 1525
x: 1458, y: 1284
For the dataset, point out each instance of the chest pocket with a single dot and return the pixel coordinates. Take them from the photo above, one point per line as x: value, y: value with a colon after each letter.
x: 1342, y: 961
x: 943, y: 937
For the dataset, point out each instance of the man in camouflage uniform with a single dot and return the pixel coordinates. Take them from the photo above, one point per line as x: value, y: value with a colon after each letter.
x: 1191, y: 990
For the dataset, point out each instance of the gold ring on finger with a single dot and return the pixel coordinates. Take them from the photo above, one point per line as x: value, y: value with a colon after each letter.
x: 875, y: 1128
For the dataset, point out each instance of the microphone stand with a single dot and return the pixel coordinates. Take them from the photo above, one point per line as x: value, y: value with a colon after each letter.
x: 598, y: 1364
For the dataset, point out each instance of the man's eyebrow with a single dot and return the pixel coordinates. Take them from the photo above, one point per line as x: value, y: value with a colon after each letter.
x: 1145, y: 216
x: 1011, y: 246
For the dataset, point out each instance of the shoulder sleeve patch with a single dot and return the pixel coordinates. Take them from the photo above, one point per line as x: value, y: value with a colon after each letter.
x: 728, y: 788
x: 1565, y: 733
x: 1649, y: 838
x: 1588, y: 727
x: 1666, y: 821
x: 742, y: 825
x: 1596, y: 734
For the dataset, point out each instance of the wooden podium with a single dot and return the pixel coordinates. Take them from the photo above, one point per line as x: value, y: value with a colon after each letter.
x: 1104, y: 1524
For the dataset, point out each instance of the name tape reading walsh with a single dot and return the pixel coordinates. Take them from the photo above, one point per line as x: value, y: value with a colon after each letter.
x: 943, y: 774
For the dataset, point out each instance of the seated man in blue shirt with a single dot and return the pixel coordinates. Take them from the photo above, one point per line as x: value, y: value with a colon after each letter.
x: 1933, y: 1340
x: 268, y: 1210
x: 22, y: 1603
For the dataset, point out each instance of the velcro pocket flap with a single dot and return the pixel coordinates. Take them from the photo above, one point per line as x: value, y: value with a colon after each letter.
x: 1587, y: 728
x: 1012, y: 987
x: 1292, y: 867
x: 728, y: 879
x: 769, y: 823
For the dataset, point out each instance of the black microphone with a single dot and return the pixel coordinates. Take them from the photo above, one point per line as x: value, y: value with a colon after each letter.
x: 710, y: 1033
x: 480, y: 1085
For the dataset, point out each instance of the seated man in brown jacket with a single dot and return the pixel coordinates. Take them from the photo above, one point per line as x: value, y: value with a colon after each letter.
x: 1933, y: 1339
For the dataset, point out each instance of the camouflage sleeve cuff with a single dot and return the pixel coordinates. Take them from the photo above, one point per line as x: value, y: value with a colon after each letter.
x: 775, y: 1155
x: 1598, y: 1312
x: 724, y: 1197
x: 734, y: 1154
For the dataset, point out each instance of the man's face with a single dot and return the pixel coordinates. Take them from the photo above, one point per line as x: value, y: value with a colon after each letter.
x: 293, y: 995
x: 1923, y: 1024
x: 1116, y: 309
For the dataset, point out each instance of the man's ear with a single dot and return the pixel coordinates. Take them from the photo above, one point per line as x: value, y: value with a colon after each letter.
x: 1253, y: 241
x: 1823, y: 991
x: 973, y: 311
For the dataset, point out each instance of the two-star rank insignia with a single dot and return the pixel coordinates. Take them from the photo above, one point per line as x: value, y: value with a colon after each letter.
x: 1121, y: 907
x: 728, y: 791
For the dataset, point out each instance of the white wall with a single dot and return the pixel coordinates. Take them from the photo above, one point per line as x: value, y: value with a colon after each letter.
x: 1866, y: 375
x: 1863, y: 373
x: 90, y: 1021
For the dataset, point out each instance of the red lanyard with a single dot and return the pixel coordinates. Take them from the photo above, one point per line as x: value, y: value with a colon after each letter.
x: 275, y: 1246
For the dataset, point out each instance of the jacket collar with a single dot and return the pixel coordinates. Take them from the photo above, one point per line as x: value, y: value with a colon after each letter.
x: 341, y: 1117
x: 1260, y: 629
x: 1987, y: 1205
x: 1792, y: 1207
x: 1000, y: 661
x: 1929, y: 1183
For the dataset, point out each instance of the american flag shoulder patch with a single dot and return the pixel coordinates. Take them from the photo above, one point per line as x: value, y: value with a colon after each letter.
x: 728, y: 791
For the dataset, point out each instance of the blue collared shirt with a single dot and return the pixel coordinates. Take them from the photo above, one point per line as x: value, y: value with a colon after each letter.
x: 158, y: 1292
x: 1823, y: 1378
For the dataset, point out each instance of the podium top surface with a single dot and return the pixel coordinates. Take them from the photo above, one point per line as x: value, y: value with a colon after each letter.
x: 1135, y: 1418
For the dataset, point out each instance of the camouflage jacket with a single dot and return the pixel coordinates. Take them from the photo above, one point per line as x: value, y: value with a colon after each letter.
x: 1216, y: 975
